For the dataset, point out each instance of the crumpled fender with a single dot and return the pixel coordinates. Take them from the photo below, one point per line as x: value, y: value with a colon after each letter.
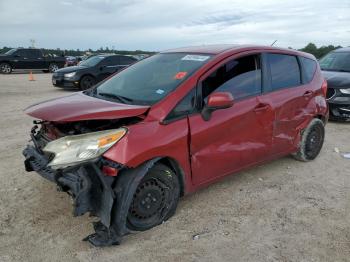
x: 124, y: 189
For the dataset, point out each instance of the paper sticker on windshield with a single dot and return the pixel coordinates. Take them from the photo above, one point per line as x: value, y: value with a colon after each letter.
x: 199, y: 58
x: 160, y: 91
x: 180, y: 75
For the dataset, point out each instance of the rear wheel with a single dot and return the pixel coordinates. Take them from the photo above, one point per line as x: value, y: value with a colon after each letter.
x: 311, y: 141
x: 5, y: 68
x: 53, y: 67
x: 86, y: 82
x: 155, y: 199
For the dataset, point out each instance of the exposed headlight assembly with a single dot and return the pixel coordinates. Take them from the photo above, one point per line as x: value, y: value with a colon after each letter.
x: 69, y: 75
x: 345, y: 91
x: 72, y: 150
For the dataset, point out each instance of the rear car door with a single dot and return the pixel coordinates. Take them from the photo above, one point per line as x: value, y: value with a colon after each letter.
x: 108, y: 66
x: 36, y: 59
x: 235, y: 137
x: 288, y: 96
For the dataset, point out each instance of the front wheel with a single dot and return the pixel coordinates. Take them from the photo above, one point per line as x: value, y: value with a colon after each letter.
x: 311, y: 141
x: 155, y: 199
x: 53, y: 67
x: 86, y: 82
x: 5, y: 68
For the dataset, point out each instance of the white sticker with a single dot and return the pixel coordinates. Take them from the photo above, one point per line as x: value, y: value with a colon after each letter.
x: 199, y: 58
x: 160, y: 91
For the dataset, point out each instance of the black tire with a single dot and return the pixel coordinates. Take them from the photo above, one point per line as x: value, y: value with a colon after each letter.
x: 311, y: 141
x: 5, y: 68
x: 86, y: 82
x: 53, y: 67
x: 155, y: 199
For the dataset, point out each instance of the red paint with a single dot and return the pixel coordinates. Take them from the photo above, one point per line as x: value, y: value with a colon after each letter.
x: 79, y: 107
x: 220, y: 100
x: 109, y: 171
x: 252, y: 131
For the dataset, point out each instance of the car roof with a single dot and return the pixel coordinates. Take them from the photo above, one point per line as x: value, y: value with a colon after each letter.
x: 344, y: 49
x: 217, y: 49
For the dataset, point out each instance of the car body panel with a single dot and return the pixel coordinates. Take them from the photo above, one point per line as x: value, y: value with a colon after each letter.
x: 78, y: 107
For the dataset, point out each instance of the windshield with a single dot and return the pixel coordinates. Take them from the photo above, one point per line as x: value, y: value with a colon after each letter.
x: 336, y: 61
x: 92, y: 61
x: 10, y: 52
x: 148, y: 81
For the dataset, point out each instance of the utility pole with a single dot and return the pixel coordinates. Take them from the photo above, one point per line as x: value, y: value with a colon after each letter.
x: 32, y: 42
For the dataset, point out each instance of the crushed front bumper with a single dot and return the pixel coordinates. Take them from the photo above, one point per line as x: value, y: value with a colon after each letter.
x: 107, y: 197
x: 90, y: 189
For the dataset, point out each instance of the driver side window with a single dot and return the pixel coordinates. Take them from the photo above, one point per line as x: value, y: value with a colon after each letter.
x: 241, y: 77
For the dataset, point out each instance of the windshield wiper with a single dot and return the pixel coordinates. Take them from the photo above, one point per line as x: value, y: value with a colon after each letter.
x: 122, y: 99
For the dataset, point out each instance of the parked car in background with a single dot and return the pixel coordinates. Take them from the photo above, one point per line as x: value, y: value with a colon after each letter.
x: 29, y: 58
x: 127, y: 149
x: 71, y: 61
x: 336, y: 69
x: 90, y: 71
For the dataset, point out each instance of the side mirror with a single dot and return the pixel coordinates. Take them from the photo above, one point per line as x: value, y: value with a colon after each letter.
x: 102, y: 67
x: 216, y: 101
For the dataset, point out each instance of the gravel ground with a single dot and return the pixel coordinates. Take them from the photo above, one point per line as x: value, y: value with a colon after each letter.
x: 281, y: 211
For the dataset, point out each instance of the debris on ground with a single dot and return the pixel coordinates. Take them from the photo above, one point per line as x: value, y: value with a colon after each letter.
x: 336, y: 149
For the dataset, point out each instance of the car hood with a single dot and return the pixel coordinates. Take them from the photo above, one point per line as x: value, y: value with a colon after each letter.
x: 70, y: 69
x: 337, y: 79
x: 78, y: 107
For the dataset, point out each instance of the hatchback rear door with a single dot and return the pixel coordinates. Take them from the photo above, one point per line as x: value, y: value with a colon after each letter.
x: 235, y: 137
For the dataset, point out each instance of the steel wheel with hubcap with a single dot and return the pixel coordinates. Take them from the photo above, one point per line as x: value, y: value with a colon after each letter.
x: 5, y: 68
x: 155, y: 199
x: 53, y: 68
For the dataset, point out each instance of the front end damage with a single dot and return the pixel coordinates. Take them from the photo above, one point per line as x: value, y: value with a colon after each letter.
x: 93, y: 190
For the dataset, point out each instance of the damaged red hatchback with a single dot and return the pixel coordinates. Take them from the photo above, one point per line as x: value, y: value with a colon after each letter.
x: 128, y: 148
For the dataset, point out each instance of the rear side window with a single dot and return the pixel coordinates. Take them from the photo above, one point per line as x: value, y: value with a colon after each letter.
x: 285, y: 71
x: 111, y: 61
x: 125, y: 60
x: 309, y: 67
x: 241, y: 77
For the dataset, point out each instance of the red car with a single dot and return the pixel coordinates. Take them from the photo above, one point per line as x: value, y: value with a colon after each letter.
x: 128, y: 148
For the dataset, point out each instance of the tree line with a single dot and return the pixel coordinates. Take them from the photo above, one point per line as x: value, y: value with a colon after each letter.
x: 311, y: 48
x: 78, y: 52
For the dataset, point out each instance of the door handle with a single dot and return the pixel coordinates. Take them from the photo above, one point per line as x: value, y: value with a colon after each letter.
x: 308, y: 94
x: 261, y: 107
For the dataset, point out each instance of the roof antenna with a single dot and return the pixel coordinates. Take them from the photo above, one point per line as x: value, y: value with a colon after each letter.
x: 273, y: 42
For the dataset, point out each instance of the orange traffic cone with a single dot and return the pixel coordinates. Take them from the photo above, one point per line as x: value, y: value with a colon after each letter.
x: 31, y: 76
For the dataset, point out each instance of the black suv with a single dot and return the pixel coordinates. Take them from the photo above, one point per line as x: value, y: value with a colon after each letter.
x: 91, y: 71
x: 29, y: 58
x: 336, y: 69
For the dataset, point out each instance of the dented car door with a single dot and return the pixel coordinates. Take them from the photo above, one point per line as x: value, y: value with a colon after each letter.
x: 236, y: 137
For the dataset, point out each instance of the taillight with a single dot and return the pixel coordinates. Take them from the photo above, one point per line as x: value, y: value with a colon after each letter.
x: 324, y: 87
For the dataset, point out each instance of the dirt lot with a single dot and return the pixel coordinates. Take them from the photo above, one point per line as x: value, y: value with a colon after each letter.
x: 282, y: 211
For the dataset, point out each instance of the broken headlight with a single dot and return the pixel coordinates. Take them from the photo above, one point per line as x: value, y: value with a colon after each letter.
x: 72, y: 150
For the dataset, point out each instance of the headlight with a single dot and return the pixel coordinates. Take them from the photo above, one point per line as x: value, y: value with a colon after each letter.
x: 72, y: 150
x: 345, y: 91
x: 69, y: 75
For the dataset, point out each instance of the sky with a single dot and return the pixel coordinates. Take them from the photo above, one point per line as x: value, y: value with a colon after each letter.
x: 156, y: 25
